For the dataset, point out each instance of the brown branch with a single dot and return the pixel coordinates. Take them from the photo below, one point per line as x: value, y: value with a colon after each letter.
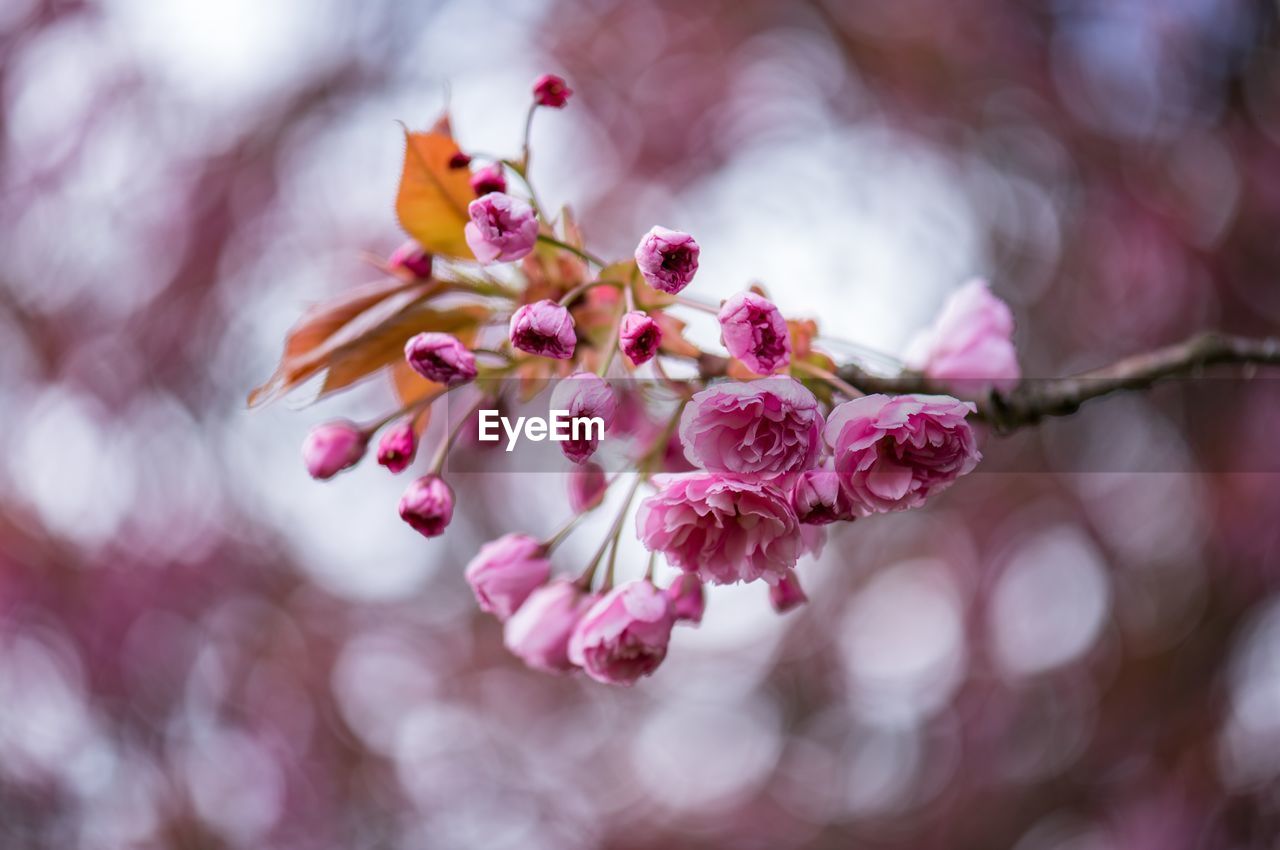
x: 1032, y: 401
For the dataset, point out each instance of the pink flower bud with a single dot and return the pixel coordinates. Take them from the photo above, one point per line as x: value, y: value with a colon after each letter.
x: 639, y: 337
x: 459, y: 160
x: 587, y: 486
x: 787, y: 593
x: 502, y: 228
x: 397, y: 447
x: 544, y: 328
x: 586, y: 396
x: 505, y: 571
x: 754, y: 332
x: 427, y: 505
x: 668, y: 259
x: 550, y: 90
x: 688, y: 600
x: 441, y: 358
x: 333, y: 447
x: 538, y: 632
x: 624, y: 636
x: 488, y: 179
x: 410, y: 259
x: 970, y: 344
x: 818, y: 499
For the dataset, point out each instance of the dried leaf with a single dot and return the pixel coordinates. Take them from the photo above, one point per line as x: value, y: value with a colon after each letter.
x: 433, y: 198
x: 802, y: 332
x: 673, y: 341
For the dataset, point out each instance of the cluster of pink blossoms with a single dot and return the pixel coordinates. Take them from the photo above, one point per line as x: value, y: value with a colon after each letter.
x: 747, y: 475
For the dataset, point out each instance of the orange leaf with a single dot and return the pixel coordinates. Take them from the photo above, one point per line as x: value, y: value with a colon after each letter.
x: 673, y: 341
x: 432, y: 200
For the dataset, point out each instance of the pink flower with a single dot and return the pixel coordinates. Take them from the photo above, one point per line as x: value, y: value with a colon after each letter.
x: 333, y: 447
x: 427, y: 505
x: 412, y: 260
x: 893, y: 452
x: 764, y: 428
x: 538, y: 632
x: 441, y: 358
x: 488, y: 179
x: 544, y: 328
x: 505, y: 571
x: 818, y: 498
x: 668, y: 259
x: 722, y: 529
x: 397, y: 447
x: 587, y: 486
x: 754, y: 332
x: 502, y: 228
x: 688, y: 600
x: 787, y: 593
x: 639, y: 337
x: 587, y: 397
x: 624, y: 636
x: 550, y: 90
x: 970, y: 345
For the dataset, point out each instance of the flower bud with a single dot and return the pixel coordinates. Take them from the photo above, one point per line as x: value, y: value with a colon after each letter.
x: 502, y: 228
x: 624, y: 636
x: 550, y: 90
x: 818, y: 499
x: 639, y: 337
x: 397, y: 447
x: 410, y: 260
x: 688, y: 600
x: 459, y: 160
x: 538, y: 632
x: 787, y: 593
x: 544, y: 328
x: 488, y: 179
x: 333, y: 447
x: 667, y: 259
x: 441, y: 358
x: 505, y: 571
x: 587, y: 486
x: 427, y: 505
x: 755, y: 333
x: 586, y: 396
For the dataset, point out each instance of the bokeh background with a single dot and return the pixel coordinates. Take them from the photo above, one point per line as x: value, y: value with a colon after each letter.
x: 202, y: 648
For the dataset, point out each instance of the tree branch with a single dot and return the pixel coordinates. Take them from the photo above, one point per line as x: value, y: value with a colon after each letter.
x: 1032, y: 401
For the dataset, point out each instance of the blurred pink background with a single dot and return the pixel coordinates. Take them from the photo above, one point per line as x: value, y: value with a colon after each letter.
x: 202, y: 648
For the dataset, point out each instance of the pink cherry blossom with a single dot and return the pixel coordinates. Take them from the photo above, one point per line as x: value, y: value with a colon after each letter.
x: 624, y: 636
x: 427, y: 505
x: 502, y: 228
x: 544, y: 328
x: 505, y: 571
x: 763, y: 428
x: 551, y: 90
x: 688, y: 599
x: 333, y: 447
x: 893, y: 452
x: 398, y: 445
x: 787, y: 593
x: 639, y: 337
x: 755, y: 333
x: 587, y: 486
x: 538, y: 632
x: 721, y: 528
x: 586, y: 396
x: 818, y: 498
x: 441, y: 358
x: 970, y: 345
x: 411, y: 260
x: 488, y: 179
x: 668, y: 259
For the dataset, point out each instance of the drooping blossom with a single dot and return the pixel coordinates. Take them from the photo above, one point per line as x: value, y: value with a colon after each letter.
x: 398, y: 445
x: 501, y: 229
x: 818, y: 498
x: 427, y: 505
x: 538, y: 632
x: 787, y: 593
x: 440, y: 357
x: 893, y: 452
x: 551, y: 90
x: 668, y: 259
x: 763, y: 428
x: 488, y: 179
x: 755, y: 333
x: 721, y: 528
x: 970, y: 346
x: 688, y: 599
x: 587, y: 486
x: 505, y: 571
x: 586, y: 396
x: 333, y: 447
x: 639, y: 337
x: 411, y: 260
x: 624, y: 636
x: 544, y: 328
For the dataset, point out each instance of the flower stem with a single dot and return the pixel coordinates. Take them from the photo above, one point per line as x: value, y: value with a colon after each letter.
x: 830, y: 377
x: 442, y: 452
x: 577, y: 292
x: 585, y: 255
x: 588, y: 576
x: 694, y: 304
